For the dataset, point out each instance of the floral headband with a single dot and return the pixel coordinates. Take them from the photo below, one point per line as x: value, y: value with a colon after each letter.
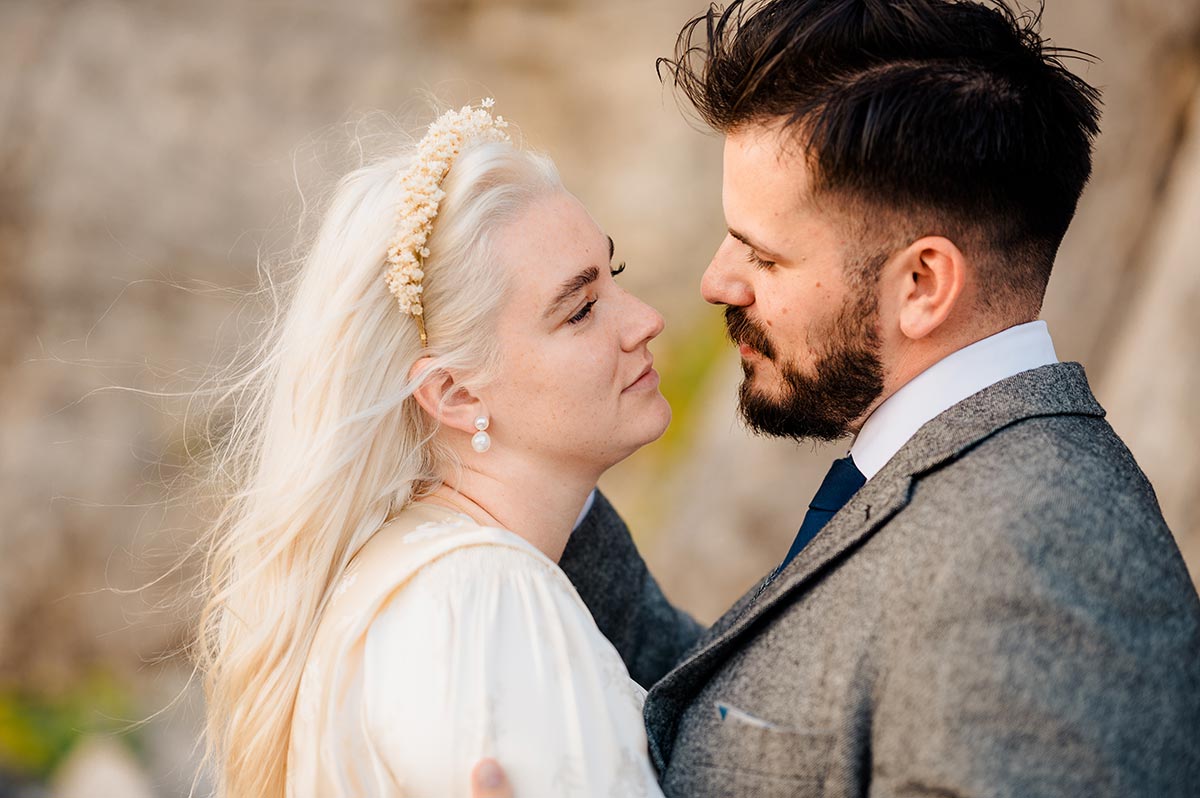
x: 422, y: 182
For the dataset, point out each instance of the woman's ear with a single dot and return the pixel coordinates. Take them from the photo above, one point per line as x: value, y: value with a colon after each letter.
x: 444, y: 399
x: 934, y: 273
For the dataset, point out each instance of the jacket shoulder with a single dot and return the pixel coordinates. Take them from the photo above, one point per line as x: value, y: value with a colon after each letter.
x: 1070, y: 469
x: 1052, y: 507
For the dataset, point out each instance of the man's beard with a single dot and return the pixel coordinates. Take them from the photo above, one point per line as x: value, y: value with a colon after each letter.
x: 847, y: 378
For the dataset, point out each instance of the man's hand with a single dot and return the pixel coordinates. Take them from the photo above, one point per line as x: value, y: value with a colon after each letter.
x: 488, y: 781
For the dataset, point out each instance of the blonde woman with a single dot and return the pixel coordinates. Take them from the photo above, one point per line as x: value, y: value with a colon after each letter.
x: 454, y: 369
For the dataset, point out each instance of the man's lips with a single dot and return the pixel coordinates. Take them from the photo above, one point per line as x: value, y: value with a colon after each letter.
x: 747, y: 351
x: 746, y: 335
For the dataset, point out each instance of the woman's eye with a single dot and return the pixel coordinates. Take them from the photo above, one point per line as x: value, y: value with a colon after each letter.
x: 620, y: 268
x: 582, y: 313
x: 754, y: 260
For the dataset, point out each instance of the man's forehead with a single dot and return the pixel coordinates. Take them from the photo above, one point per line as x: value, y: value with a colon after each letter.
x: 764, y: 169
x: 768, y: 155
x: 774, y: 138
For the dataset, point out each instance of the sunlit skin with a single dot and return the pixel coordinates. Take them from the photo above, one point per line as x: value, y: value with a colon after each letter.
x: 577, y: 391
x: 782, y: 259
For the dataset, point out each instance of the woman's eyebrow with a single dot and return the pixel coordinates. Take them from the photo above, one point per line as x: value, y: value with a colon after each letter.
x: 572, y: 286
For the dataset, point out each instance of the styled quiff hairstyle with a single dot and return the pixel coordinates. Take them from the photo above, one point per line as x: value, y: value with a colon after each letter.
x: 918, y: 117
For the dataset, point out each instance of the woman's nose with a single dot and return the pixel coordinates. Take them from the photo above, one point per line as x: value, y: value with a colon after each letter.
x: 644, y: 324
x: 723, y: 282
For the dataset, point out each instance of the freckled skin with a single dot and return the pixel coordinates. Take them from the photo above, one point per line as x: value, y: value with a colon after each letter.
x: 562, y: 397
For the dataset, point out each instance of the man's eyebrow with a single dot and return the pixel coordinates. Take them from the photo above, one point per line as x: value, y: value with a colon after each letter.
x: 756, y: 247
x: 571, y: 287
x: 612, y: 248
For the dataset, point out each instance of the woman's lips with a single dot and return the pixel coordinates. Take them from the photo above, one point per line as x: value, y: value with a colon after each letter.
x: 648, y: 380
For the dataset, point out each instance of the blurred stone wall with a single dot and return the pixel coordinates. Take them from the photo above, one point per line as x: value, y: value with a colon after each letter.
x: 149, y: 155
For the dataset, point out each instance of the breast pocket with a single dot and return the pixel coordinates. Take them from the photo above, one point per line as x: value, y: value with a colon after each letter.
x: 733, y: 753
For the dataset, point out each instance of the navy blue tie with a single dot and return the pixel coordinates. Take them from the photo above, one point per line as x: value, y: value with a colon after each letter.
x: 842, y: 482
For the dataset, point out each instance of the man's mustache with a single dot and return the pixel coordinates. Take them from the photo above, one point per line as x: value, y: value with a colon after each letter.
x: 742, y: 330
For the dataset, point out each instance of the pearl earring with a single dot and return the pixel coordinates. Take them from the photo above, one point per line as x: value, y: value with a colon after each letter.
x: 481, y: 441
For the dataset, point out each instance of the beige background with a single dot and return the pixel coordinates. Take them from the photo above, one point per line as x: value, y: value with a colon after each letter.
x: 149, y: 153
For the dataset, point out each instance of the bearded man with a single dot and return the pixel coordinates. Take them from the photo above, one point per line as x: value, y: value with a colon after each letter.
x: 983, y: 599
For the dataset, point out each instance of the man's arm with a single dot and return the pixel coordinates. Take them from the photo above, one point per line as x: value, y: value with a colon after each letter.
x: 630, y: 609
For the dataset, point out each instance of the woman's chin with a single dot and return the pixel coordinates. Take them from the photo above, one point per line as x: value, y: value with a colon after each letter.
x: 634, y: 432
x: 664, y: 418
x: 653, y: 424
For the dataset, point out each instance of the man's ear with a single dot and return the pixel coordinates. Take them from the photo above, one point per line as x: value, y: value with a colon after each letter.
x: 444, y: 399
x: 933, y: 274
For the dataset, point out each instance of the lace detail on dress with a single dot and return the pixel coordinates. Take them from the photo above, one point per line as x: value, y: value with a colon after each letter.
x: 435, y: 529
x: 568, y: 778
x: 629, y: 778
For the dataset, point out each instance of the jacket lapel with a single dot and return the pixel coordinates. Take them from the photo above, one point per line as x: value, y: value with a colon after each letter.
x: 1058, y: 389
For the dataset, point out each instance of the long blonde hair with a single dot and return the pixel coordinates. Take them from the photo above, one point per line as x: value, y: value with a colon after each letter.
x: 326, y: 440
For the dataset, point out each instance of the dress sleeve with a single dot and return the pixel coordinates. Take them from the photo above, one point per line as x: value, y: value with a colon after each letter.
x: 488, y: 651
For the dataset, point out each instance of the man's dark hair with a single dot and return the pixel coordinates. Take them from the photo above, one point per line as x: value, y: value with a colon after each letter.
x: 940, y: 116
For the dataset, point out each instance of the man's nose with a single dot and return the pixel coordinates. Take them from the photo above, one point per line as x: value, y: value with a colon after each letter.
x: 724, y: 281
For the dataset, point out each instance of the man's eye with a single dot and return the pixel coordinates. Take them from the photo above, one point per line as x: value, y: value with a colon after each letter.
x: 754, y: 260
x: 582, y: 313
x: 620, y: 268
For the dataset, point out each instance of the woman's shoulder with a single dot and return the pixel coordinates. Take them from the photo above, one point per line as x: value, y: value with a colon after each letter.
x: 430, y: 569
x: 454, y: 564
x: 474, y: 645
x: 426, y: 542
x: 431, y: 550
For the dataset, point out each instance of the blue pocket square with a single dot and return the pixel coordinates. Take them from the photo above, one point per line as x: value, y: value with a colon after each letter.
x: 731, y: 713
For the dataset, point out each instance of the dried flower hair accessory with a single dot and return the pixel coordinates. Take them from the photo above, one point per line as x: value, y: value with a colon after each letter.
x: 422, y: 184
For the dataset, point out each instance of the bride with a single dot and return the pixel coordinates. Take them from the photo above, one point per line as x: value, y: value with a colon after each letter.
x: 454, y: 369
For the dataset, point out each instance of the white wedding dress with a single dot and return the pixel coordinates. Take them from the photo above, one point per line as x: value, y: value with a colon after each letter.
x: 447, y: 642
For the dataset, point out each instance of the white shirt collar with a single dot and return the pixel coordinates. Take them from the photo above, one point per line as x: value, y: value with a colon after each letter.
x: 946, y: 383
x: 587, y: 508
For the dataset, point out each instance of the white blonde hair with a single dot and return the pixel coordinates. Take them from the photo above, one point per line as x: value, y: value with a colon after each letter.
x: 326, y: 440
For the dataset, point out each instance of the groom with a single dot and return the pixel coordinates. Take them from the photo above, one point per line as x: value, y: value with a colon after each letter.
x: 983, y: 598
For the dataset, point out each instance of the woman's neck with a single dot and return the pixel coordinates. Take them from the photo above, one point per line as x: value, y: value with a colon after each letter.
x: 539, y: 505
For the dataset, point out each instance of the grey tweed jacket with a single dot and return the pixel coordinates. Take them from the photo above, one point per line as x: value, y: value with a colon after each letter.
x: 1001, y: 611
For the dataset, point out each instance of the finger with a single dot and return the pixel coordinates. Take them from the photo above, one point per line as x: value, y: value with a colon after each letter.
x: 488, y: 781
